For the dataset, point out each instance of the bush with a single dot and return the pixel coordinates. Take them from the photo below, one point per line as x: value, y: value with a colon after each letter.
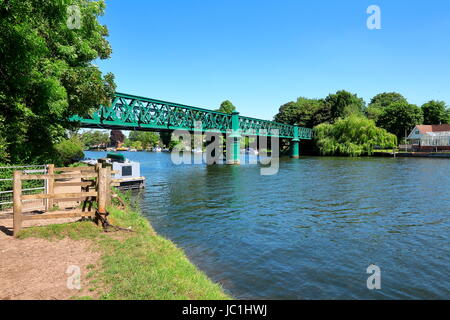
x: 68, y: 151
x: 4, y: 156
x: 353, y: 136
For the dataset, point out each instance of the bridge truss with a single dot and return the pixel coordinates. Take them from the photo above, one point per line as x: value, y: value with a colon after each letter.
x: 129, y: 112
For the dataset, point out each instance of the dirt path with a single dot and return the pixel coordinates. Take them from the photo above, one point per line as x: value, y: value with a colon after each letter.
x: 36, y: 268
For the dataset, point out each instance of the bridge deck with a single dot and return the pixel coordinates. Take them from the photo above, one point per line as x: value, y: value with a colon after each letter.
x: 129, y: 112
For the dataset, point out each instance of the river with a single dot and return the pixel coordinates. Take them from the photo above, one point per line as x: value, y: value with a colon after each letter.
x: 310, y: 231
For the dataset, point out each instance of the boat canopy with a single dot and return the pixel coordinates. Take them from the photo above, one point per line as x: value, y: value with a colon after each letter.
x: 118, y: 157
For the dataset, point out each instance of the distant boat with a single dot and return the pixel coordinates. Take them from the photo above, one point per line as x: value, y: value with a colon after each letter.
x: 157, y: 149
x: 197, y: 150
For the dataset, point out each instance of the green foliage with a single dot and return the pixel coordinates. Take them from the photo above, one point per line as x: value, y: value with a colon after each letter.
x: 227, y: 107
x: 94, y: 138
x: 247, y: 142
x: 304, y: 112
x: 143, y: 139
x: 343, y: 104
x: 46, y: 73
x: 352, y: 136
x: 175, y: 144
x: 8, y: 172
x: 4, y: 156
x: 399, y: 118
x: 435, y: 112
x: 136, y: 145
x: 381, y: 101
x: 68, y: 150
x: 311, y: 112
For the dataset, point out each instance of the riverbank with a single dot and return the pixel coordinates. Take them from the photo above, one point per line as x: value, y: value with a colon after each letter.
x: 412, y: 154
x: 128, y: 265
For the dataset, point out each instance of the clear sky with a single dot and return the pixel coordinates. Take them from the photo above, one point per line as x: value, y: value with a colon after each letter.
x: 262, y: 54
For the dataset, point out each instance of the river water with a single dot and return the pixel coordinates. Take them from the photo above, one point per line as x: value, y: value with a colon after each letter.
x: 310, y: 231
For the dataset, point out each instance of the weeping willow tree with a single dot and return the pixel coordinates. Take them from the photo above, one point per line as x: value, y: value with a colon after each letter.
x: 353, y: 136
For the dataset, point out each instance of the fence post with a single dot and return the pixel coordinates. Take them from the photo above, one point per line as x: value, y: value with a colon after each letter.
x: 101, y: 190
x: 108, y: 185
x: 17, y: 202
x: 50, y: 185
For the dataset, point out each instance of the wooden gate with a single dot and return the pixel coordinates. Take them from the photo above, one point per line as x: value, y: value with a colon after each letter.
x: 94, y: 182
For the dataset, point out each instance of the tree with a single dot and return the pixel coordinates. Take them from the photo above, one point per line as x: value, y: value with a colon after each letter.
x: 343, y: 104
x: 399, y: 118
x: 46, y: 74
x: 435, y: 112
x: 146, y: 139
x: 4, y: 155
x: 227, y: 107
x: 311, y: 112
x: 117, y: 138
x: 381, y: 101
x: 304, y: 112
x: 94, y: 138
x: 352, y: 136
x: 68, y: 150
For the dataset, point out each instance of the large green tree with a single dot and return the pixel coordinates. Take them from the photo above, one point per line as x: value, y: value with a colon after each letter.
x: 343, y: 104
x: 227, y: 107
x: 381, y: 101
x: 312, y: 112
x: 400, y: 118
x: 94, y: 138
x: 46, y: 74
x: 352, y: 136
x: 435, y: 112
x: 304, y: 112
x: 146, y: 139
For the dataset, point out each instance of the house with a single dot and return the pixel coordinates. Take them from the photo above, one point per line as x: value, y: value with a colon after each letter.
x: 428, y: 138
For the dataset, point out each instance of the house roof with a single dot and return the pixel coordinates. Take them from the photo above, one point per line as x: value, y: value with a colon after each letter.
x: 433, y: 128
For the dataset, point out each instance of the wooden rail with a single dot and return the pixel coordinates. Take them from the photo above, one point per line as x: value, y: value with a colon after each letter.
x: 98, y: 190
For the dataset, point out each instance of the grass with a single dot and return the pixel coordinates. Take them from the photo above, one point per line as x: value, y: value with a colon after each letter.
x: 139, y: 265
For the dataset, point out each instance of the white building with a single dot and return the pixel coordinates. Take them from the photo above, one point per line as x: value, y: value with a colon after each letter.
x: 430, y: 137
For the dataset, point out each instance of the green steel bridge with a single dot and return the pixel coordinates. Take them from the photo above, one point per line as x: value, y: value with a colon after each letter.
x: 129, y: 112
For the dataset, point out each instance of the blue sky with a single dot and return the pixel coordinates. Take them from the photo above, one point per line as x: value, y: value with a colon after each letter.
x: 261, y: 54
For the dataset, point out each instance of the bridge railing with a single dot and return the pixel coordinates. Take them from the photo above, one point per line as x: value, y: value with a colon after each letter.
x: 129, y: 112
x: 258, y: 127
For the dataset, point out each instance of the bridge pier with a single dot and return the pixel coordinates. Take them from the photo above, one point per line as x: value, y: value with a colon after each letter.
x: 234, y: 146
x: 295, y: 144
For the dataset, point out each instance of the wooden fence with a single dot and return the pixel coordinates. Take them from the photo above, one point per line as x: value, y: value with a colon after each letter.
x: 95, y: 185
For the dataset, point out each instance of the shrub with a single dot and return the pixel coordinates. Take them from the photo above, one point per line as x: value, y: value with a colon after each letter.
x: 68, y: 150
x: 353, y: 136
